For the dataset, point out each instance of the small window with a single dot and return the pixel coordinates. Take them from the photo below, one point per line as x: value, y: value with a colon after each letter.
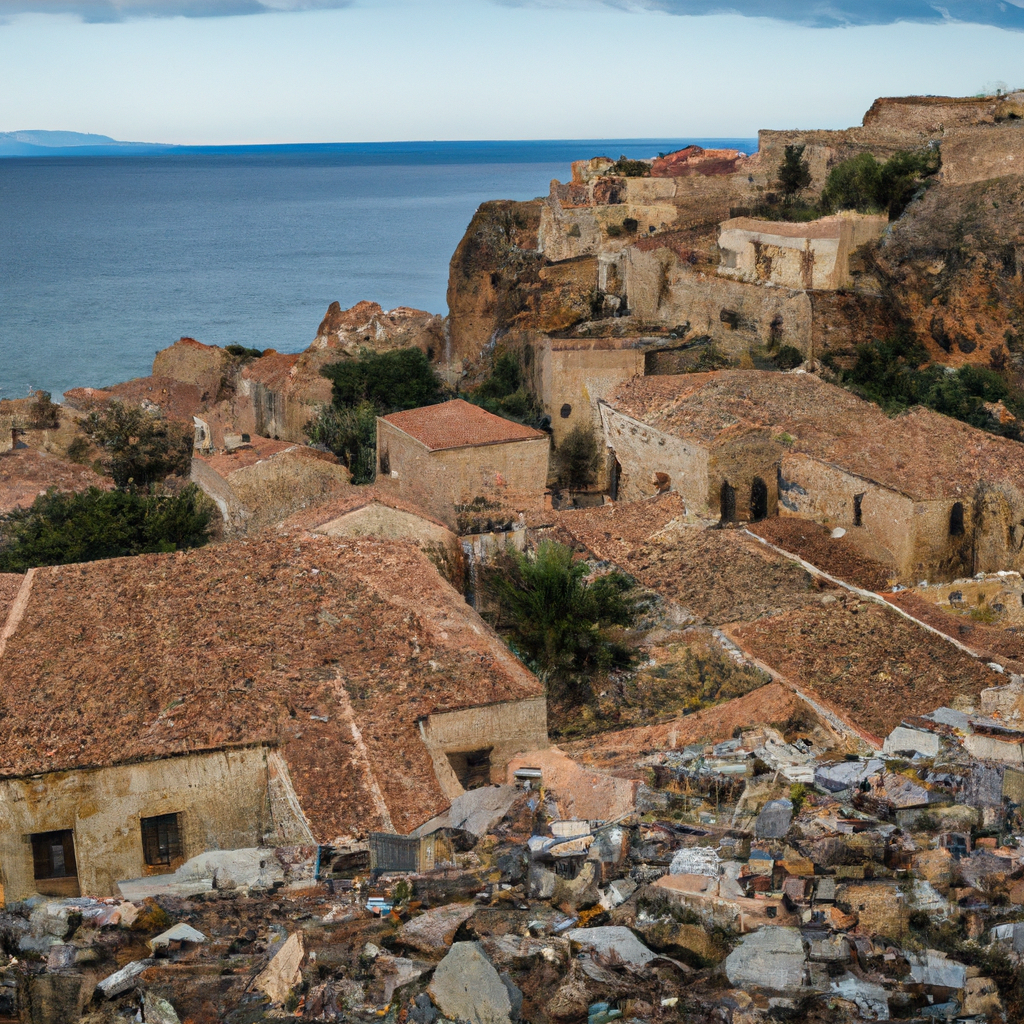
x: 858, y: 510
x: 727, y: 500
x: 53, y: 855
x: 758, y: 500
x: 385, y: 462
x: 161, y: 839
x: 566, y: 411
x: 956, y: 519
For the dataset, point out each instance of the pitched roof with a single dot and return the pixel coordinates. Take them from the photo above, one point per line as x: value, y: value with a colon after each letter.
x: 147, y: 657
x: 919, y: 453
x: 459, y: 424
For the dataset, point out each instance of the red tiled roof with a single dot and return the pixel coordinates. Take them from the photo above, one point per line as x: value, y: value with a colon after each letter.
x: 458, y: 424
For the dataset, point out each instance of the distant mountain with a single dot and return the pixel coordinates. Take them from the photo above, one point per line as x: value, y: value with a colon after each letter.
x: 44, y: 143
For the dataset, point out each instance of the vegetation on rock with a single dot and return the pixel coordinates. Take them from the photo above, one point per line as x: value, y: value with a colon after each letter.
x: 863, y: 184
x: 505, y: 393
x: 794, y: 172
x: 61, y: 528
x: 626, y: 168
x: 139, y: 448
x: 556, y: 616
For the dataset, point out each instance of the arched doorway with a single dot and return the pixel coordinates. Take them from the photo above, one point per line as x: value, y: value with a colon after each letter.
x: 727, y: 502
x: 758, y: 500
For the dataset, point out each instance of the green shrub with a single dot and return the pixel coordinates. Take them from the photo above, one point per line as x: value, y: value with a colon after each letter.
x: 794, y: 172
x: 788, y: 357
x: 44, y: 413
x: 351, y: 434
x: 139, y: 448
x: 577, y: 458
x: 505, y: 392
x: 556, y: 618
x: 626, y: 168
x: 863, y: 184
x: 402, y: 379
x: 241, y: 352
x: 61, y: 528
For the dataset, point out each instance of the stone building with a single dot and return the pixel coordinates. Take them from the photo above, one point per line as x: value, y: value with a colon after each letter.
x: 928, y: 495
x: 290, y: 691
x: 440, y: 456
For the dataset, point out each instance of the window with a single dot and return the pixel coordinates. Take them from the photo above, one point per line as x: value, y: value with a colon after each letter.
x: 385, y: 462
x: 566, y: 411
x: 53, y: 854
x: 956, y: 519
x: 858, y: 510
x: 161, y: 839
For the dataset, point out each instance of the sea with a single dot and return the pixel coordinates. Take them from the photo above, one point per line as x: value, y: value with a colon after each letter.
x: 104, y: 260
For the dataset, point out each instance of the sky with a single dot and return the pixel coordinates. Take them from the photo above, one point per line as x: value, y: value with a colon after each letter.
x: 209, y: 72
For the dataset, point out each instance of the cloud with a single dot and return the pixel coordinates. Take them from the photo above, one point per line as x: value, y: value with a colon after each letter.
x: 1005, y: 14
x: 119, y: 10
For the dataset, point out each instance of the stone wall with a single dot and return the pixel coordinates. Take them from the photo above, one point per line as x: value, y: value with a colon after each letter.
x: 6, y: 433
x: 507, y: 727
x: 192, y: 362
x: 513, y: 472
x: 222, y: 800
x: 642, y: 451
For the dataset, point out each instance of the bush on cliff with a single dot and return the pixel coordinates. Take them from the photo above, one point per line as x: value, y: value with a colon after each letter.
x: 577, y: 458
x: 794, y: 172
x: 351, y: 433
x: 556, y: 618
x: 626, y: 168
x: 139, y: 448
x: 863, y: 184
x: 505, y: 393
x: 61, y: 528
x: 895, y: 374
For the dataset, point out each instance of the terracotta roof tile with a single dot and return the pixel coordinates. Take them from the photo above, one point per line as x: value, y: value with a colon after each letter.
x: 148, y: 657
x: 25, y: 473
x: 919, y: 453
x: 459, y: 424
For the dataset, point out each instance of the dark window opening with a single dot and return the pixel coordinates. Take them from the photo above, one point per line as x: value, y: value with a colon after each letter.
x: 472, y: 767
x: 161, y: 839
x: 730, y: 318
x: 727, y: 502
x: 858, y: 510
x: 385, y: 462
x: 956, y: 519
x: 758, y: 500
x: 615, y: 473
x: 566, y: 411
x: 53, y: 855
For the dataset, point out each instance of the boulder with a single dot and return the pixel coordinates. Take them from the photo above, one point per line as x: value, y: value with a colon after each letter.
x: 772, y: 958
x: 774, y: 820
x: 284, y: 972
x: 466, y: 987
x: 614, y: 939
x: 158, y: 1011
x: 123, y: 980
x: 435, y: 930
x: 687, y: 942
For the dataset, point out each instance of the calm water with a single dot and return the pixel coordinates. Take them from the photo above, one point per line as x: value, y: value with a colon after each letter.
x: 105, y: 260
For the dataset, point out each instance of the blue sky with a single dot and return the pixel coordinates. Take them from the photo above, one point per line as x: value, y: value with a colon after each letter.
x: 234, y: 71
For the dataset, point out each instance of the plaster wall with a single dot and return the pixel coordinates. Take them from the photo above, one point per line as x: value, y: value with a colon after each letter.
x: 439, y: 480
x: 507, y: 727
x: 222, y: 799
x: 642, y: 451
x: 991, y: 748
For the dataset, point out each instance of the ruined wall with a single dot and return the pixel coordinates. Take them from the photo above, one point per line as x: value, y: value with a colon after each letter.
x: 514, y: 471
x: 642, y: 451
x: 6, y: 433
x: 826, y: 494
x: 812, y: 255
x: 222, y: 800
x: 507, y: 727
x: 735, y: 315
x: 752, y: 456
x: 192, y: 362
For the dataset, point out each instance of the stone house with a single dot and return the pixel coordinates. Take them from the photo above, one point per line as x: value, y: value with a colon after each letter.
x: 291, y: 691
x: 440, y: 456
x: 930, y: 496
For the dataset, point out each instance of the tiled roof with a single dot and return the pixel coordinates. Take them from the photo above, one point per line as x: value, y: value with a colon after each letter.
x: 147, y: 657
x: 919, y: 453
x: 458, y: 424
x: 25, y: 473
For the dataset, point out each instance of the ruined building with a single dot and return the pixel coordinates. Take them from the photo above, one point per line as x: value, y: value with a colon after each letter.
x: 928, y: 495
x: 286, y: 692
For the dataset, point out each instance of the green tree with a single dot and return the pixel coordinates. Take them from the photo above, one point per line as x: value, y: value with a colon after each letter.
x: 351, y: 433
x: 139, y: 448
x: 402, y: 379
x: 505, y: 393
x: 61, y: 528
x: 794, y: 172
x: 577, y: 458
x: 44, y: 413
x: 557, y: 618
x: 863, y: 184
